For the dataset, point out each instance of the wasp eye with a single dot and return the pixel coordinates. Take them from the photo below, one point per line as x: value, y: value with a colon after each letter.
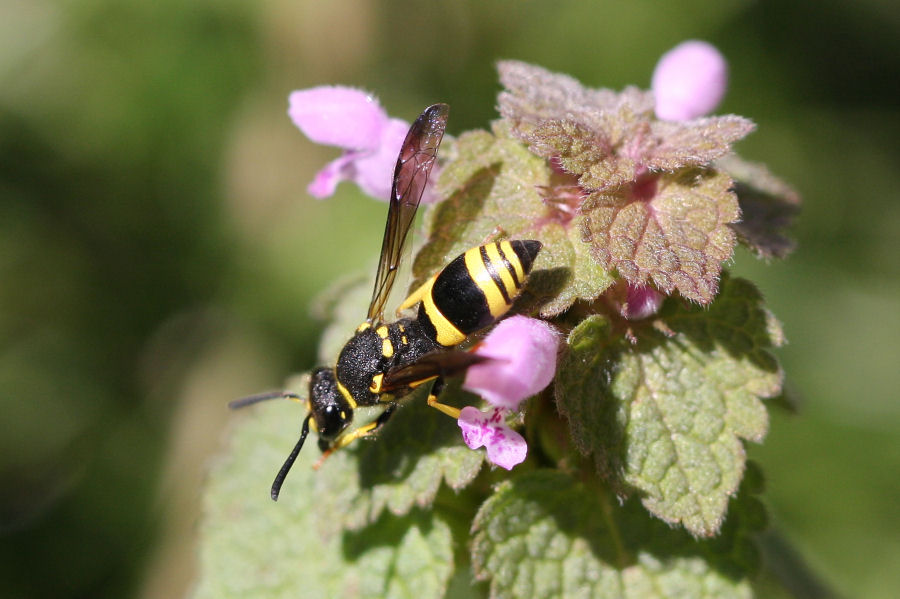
x: 331, y: 420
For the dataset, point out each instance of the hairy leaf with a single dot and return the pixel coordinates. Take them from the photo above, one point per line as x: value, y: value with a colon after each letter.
x: 666, y: 415
x: 534, y: 94
x: 543, y: 534
x: 496, y: 183
x: 606, y: 139
x: 493, y: 182
x: 695, y: 143
x: 585, y: 280
x: 403, y: 467
x: 671, y: 230
x: 584, y: 130
x: 253, y: 547
x: 591, y: 155
x: 768, y: 207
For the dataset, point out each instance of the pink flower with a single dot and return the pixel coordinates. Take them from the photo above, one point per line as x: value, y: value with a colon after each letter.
x: 353, y: 120
x: 525, y: 351
x: 689, y: 81
x: 505, y: 447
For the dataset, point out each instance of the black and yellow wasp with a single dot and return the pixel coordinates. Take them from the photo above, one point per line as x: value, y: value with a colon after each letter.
x: 382, y: 362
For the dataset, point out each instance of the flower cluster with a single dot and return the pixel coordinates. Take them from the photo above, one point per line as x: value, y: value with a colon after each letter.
x: 689, y: 81
x: 523, y: 362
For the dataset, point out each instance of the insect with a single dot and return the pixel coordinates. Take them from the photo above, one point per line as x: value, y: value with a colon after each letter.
x: 382, y: 361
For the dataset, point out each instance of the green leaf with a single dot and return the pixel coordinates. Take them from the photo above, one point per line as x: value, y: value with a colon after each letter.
x: 253, y: 547
x: 666, y: 414
x: 495, y: 182
x: 587, y: 281
x: 768, y: 207
x: 671, y: 230
x: 584, y: 376
x: 403, y: 467
x: 543, y: 534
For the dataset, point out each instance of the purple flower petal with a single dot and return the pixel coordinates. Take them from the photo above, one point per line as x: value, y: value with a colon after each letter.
x: 326, y: 180
x: 374, y: 171
x: 525, y: 351
x: 353, y: 120
x: 338, y: 116
x: 689, y: 81
x: 505, y: 447
x: 472, y: 421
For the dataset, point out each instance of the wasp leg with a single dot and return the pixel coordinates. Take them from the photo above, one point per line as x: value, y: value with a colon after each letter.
x: 497, y: 233
x: 368, y: 429
x: 434, y: 403
x: 363, y: 431
x: 416, y: 296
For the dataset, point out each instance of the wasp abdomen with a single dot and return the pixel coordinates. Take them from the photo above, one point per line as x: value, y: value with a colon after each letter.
x: 475, y: 289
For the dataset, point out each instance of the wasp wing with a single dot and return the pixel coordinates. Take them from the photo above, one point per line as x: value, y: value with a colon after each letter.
x: 417, y: 155
x: 429, y: 366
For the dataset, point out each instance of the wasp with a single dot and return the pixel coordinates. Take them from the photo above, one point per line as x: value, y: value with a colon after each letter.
x: 383, y: 361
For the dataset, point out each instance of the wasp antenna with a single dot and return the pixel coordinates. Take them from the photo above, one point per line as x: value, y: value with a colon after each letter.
x: 252, y: 399
x: 286, y: 467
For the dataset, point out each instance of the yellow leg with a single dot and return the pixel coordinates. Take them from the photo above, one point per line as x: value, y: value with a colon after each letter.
x: 345, y: 441
x: 416, y: 296
x: 349, y: 438
x: 448, y: 410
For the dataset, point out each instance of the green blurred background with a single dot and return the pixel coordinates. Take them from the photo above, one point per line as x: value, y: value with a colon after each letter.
x: 159, y: 255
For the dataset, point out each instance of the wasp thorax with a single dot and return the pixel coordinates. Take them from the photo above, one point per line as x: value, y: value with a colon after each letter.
x: 359, y: 361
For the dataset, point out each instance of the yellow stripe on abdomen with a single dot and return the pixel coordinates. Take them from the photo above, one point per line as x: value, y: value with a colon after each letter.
x: 500, y: 266
x: 481, y: 277
x: 513, y: 258
x: 446, y: 332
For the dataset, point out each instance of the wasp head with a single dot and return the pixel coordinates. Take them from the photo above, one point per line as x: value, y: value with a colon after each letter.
x: 331, y: 412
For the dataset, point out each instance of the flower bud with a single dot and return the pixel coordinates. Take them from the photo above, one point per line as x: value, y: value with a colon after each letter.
x: 689, y: 81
